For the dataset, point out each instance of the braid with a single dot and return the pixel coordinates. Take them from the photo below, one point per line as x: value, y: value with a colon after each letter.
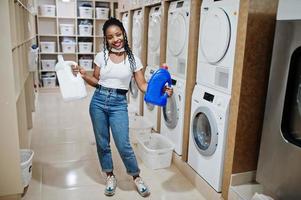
x: 128, y: 51
x: 105, y: 47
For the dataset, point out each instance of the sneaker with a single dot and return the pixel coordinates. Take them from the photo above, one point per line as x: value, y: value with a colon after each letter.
x: 111, y: 184
x: 141, y: 187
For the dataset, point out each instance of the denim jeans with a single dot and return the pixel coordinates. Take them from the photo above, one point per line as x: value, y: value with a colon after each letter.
x: 108, y: 109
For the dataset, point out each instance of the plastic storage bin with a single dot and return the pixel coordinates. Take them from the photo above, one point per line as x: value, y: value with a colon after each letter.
x: 85, y: 47
x: 85, y: 30
x: 156, y: 151
x: 49, y: 79
x: 48, y: 65
x: 139, y: 127
x: 85, y: 12
x: 47, y: 47
x: 26, y: 156
x: 47, y: 10
x: 102, y: 13
x: 68, y: 47
x: 86, y: 63
x: 67, y: 29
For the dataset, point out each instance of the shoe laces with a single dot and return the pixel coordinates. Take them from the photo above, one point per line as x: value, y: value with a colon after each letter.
x: 111, y: 182
x: 141, y: 185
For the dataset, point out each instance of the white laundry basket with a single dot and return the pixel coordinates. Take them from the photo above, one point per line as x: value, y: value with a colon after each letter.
x: 68, y: 47
x: 156, y: 151
x: 86, y: 63
x: 48, y: 65
x: 85, y: 12
x: 47, y: 10
x: 102, y: 13
x: 139, y: 127
x: 85, y: 47
x: 47, y: 47
x: 85, y: 30
x: 26, y: 156
x: 67, y: 29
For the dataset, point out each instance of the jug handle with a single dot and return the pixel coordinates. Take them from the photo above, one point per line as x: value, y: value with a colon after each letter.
x: 70, y: 63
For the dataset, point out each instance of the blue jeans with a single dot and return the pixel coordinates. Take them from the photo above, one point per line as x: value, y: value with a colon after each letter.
x: 108, y: 109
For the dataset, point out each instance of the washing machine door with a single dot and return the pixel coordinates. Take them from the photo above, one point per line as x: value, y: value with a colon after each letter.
x: 154, y: 32
x: 215, y: 34
x: 204, y: 131
x: 134, y: 88
x: 171, y: 112
x: 177, y: 31
x: 137, y: 31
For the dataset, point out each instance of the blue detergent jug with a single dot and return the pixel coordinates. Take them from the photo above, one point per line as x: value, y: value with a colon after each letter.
x: 154, y: 93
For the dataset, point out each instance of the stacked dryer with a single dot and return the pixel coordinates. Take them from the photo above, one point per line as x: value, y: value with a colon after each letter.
x: 137, y: 31
x: 153, y: 60
x: 176, y: 59
x: 212, y: 93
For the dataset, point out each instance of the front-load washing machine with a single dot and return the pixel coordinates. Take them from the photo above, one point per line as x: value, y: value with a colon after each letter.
x: 173, y: 115
x: 154, y: 30
x: 137, y: 32
x: 150, y: 110
x: 208, y: 133
x: 177, y: 37
x: 125, y: 22
x: 218, y: 29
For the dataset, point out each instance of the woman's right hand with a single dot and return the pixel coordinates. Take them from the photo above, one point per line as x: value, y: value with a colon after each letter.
x: 78, y: 69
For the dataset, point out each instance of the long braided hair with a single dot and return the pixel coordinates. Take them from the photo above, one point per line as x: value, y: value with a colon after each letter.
x: 128, y: 52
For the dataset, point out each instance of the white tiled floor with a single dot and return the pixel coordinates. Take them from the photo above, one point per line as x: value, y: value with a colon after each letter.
x: 66, y: 167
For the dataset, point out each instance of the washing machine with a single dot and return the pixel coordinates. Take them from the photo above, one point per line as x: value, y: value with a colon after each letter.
x: 208, y: 133
x: 172, y: 119
x: 177, y: 37
x: 218, y: 30
x: 150, y: 110
x: 154, y: 31
x: 137, y: 32
x: 125, y: 22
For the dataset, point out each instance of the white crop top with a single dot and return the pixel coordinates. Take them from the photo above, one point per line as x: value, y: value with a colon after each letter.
x: 115, y: 75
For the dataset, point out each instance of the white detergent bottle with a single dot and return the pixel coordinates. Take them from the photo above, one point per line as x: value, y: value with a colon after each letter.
x: 71, y: 87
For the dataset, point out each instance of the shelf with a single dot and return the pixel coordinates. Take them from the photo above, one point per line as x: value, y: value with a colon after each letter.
x: 44, y: 53
x: 67, y: 35
x: 101, y: 19
x: 99, y: 36
x: 47, y: 35
x: 85, y: 36
x: 47, y: 70
x: 92, y: 53
x: 46, y: 17
x: 73, y: 18
x: 85, y: 18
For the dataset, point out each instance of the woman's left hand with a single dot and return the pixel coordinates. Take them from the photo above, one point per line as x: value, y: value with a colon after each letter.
x: 168, y: 90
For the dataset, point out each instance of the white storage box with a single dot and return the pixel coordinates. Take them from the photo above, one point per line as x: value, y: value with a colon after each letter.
x: 47, y: 47
x: 85, y: 12
x: 102, y: 13
x: 85, y: 47
x: 48, y: 65
x: 139, y: 127
x: 68, y: 47
x: 156, y: 152
x: 26, y: 156
x: 85, y: 30
x: 47, y: 10
x: 67, y: 29
x: 86, y: 63
x: 49, y: 80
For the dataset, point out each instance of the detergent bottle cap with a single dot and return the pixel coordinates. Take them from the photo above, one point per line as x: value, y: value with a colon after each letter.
x: 164, y: 66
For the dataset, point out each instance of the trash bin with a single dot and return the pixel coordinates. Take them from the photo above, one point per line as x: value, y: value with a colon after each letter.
x: 26, y: 156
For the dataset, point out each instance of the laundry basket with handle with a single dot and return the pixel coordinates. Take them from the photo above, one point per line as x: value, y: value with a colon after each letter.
x: 26, y: 156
